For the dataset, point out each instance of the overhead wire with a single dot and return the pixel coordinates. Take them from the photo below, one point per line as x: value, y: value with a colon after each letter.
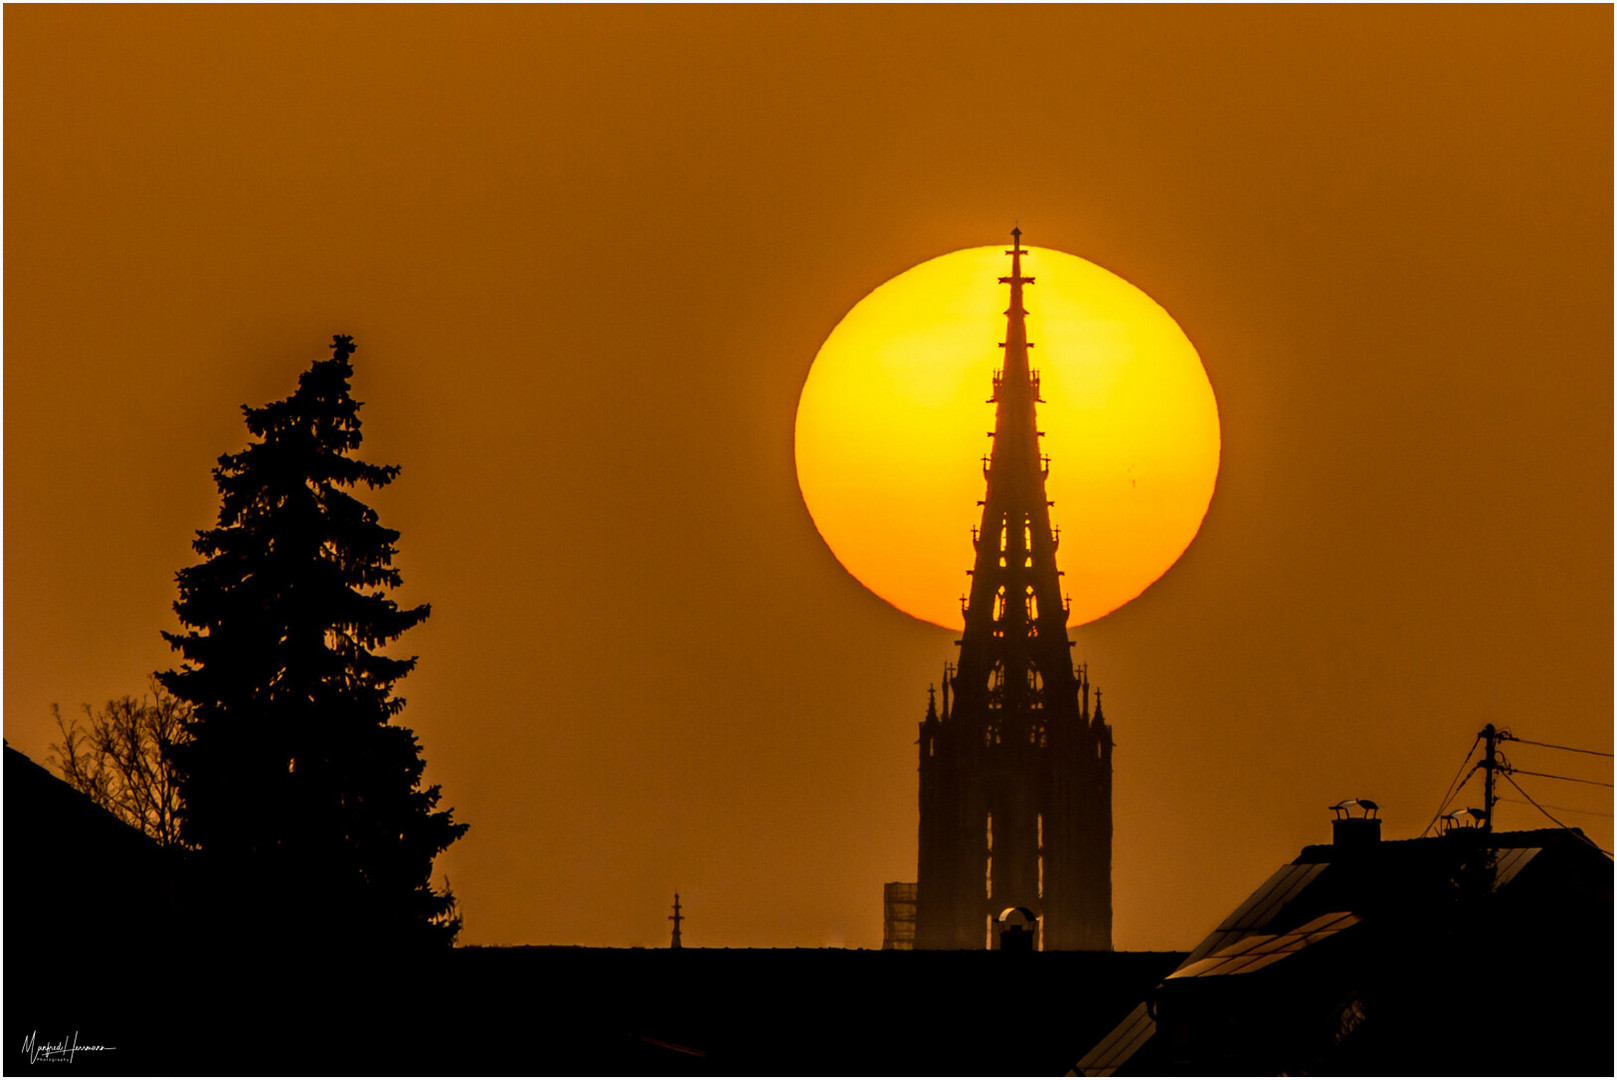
x: 1553, y: 806
x: 1557, y: 746
x: 1553, y: 776
x: 1576, y: 832
x: 1452, y: 790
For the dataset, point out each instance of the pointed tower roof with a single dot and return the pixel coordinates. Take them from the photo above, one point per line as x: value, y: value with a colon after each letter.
x: 1015, y: 650
x: 1015, y: 779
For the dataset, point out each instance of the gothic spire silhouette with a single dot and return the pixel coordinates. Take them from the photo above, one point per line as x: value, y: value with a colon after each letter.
x: 1015, y: 773
x: 1016, y: 618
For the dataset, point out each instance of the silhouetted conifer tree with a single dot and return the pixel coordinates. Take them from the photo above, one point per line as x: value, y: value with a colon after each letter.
x: 298, y: 792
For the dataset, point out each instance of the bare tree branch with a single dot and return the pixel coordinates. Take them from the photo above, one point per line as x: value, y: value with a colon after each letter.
x: 119, y: 758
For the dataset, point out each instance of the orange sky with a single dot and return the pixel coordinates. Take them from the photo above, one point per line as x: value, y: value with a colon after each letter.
x: 588, y: 255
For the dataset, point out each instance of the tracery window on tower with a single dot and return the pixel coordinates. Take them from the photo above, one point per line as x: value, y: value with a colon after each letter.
x: 988, y: 866
x: 1038, y: 837
x: 1037, y: 733
x: 994, y: 730
x: 996, y: 685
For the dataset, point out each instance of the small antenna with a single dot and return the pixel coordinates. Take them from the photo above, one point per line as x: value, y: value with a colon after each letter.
x: 676, y: 918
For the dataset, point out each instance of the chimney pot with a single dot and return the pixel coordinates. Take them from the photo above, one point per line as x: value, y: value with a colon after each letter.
x: 1348, y: 831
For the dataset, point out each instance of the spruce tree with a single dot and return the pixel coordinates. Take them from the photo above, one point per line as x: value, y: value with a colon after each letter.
x: 301, y: 798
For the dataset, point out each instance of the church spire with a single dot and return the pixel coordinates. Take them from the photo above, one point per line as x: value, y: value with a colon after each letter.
x: 1015, y: 780
x: 1015, y: 649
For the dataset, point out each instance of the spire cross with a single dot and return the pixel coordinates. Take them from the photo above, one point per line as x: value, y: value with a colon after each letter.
x: 1015, y: 253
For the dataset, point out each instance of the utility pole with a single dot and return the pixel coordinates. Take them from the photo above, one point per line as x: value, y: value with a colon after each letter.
x: 1490, y: 763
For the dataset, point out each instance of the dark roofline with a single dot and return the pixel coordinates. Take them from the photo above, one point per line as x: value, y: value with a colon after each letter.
x: 1544, y: 838
x: 35, y: 790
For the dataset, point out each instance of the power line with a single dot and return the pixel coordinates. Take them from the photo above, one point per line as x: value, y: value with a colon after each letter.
x: 1452, y: 790
x: 1555, y: 746
x: 1563, y: 809
x: 1575, y: 832
x: 1464, y: 783
x: 1553, y: 776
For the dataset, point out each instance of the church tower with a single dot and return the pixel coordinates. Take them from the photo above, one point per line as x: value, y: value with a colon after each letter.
x: 1016, y: 770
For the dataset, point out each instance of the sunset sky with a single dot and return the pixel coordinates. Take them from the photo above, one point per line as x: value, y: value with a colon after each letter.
x: 588, y: 255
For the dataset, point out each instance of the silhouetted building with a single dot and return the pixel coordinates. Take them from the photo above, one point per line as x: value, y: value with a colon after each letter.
x: 86, y: 887
x: 898, y: 915
x: 1016, y: 770
x: 99, y: 925
x: 1469, y: 953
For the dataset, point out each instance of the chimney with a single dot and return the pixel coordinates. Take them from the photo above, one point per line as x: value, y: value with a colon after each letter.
x: 1350, y: 832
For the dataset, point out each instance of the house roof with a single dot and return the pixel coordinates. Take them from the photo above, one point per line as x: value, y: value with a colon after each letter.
x: 1341, y: 918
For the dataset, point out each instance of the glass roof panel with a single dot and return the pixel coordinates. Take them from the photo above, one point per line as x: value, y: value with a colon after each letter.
x: 1511, y: 862
x: 1123, y: 1043
x: 1238, y: 952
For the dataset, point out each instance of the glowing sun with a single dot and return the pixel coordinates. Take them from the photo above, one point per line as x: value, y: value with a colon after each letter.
x: 893, y: 422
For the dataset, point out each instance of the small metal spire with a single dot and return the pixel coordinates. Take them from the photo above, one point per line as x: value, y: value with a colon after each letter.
x: 676, y: 918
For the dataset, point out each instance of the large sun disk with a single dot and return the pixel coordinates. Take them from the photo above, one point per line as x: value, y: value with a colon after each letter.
x: 893, y: 421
